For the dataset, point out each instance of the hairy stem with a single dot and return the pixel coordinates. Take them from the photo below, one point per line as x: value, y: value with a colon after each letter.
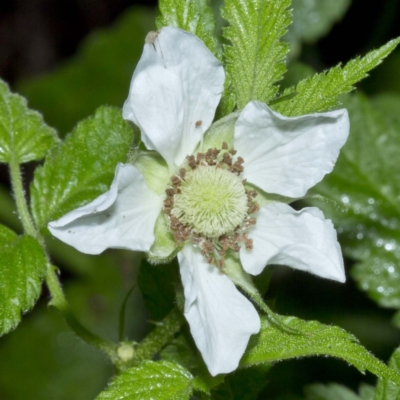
x: 160, y: 336
x: 20, y: 200
x: 57, y: 294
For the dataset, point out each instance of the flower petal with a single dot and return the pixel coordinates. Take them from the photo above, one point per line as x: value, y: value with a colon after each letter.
x: 221, y: 319
x: 174, y: 93
x: 301, y: 239
x: 287, y: 156
x: 124, y: 217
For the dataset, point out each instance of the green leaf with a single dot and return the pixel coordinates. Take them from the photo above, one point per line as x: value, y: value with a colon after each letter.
x: 194, y: 16
x: 151, y: 380
x: 386, y: 390
x: 22, y: 268
x: 366, y: 179
x: 81, y: 168
x: 367, y: 392
x: 275, y: 344
x: 320, y: 92
x: 332, y: 391
x: 99, y: 74
x: 256, y: 58
x: 23, y: 134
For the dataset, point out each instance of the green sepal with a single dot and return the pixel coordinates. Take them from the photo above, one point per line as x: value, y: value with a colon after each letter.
x: 23, y: 134
x: 164, y: 248
x: 22, y: 268
x: 153, y: 167
x: 219, y: 132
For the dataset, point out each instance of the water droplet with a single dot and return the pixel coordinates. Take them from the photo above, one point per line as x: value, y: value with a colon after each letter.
x: 380, y: 289
x: 389, y: 246
x: 345, y: 199
x: 371, y: 201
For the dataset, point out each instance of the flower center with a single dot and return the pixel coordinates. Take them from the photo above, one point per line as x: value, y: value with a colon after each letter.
x: 207, y: 203
x: 212, y: 201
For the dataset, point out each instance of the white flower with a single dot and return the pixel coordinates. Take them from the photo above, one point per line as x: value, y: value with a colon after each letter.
x: 208, y: 205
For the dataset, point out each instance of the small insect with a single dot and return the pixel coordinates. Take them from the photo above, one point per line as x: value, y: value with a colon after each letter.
x: 198, y: 123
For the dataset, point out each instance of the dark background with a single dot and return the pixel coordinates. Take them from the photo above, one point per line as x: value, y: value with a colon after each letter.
x: 37, y: 35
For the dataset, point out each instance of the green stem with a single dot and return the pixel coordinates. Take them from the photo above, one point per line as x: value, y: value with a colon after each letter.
x: 22, y: 207
x: 58, y: 298
x: 59, y: 301
x: 157, y: 339
x: 160, y: 336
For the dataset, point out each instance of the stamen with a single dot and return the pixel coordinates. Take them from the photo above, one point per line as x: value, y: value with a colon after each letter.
x: 209, y: 205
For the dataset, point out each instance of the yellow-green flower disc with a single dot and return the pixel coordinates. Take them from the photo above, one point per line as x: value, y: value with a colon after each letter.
x: 212, y: 201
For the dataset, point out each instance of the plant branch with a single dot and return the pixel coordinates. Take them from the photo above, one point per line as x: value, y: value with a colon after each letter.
x: 160, y: 336
x: 58, y: 300
x: 20, y: 200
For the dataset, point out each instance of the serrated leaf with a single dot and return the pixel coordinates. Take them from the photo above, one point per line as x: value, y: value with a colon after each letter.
x: 23, y: 134
x: 194, y: 16
x: 81, y: 168
x: 256, y: 57
x: 320, y: 92
x: 22, y: 268
x: 366, y: 179
x: 99, y: 73
x: 332, y: 391
x: 151, y: 380
x: 274, y: 344
x: 386, y: 390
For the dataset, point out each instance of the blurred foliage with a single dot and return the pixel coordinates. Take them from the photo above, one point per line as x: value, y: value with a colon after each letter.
x: 313, y: 19
x: 366, y: 180
x: 50, y: 361
x: 99, y: 74
x: 337, y: 392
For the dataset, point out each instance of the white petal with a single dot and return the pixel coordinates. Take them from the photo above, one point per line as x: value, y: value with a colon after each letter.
x: 304, y: 240
x: 285, y: 155
x: 124, y: 217
x: 174, y: 93
x: 221, y: 319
